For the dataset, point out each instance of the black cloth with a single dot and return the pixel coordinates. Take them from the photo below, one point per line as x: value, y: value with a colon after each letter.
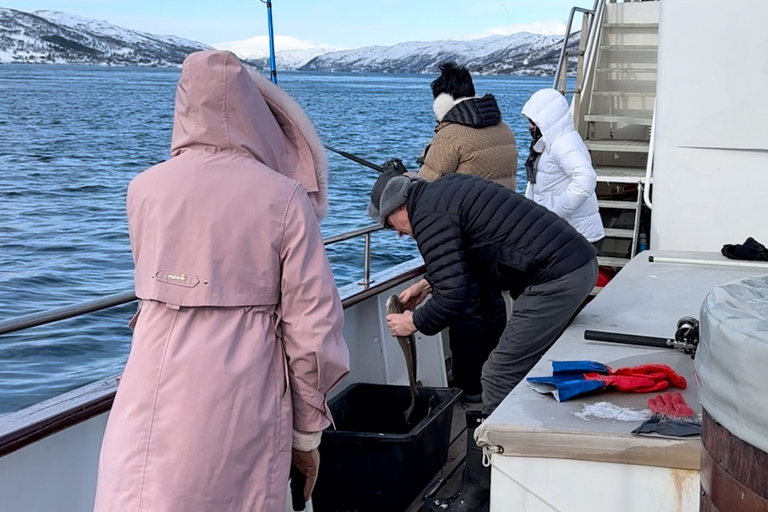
x: 473, y: 335
x: 470, y: 230
x: 395, y: 165
x: 475, y: 112
x: 750, y: 250
x: 533, y: 155
x: 668, y: 427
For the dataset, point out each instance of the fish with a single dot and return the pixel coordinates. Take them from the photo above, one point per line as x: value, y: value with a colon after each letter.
x: 408, y: 344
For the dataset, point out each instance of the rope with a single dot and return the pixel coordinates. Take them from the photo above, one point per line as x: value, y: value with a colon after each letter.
x: 527, y: 489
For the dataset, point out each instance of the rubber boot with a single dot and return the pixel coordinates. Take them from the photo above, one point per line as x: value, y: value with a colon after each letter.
x: 472, y: 399
x: 474, y: 495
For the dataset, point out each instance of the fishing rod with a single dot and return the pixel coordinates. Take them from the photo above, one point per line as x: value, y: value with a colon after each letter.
x: 273, y: 77
x: 686, y: 337
x: 272, y: 60
x: 356, y: 159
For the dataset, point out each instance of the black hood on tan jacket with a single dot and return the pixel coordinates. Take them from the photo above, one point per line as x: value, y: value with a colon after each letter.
x: 475, y: 112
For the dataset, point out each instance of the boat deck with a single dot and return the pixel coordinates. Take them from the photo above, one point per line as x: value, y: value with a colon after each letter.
x: 448, y: 480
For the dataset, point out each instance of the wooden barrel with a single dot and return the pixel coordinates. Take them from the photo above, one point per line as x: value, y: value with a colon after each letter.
x: 734, y: 474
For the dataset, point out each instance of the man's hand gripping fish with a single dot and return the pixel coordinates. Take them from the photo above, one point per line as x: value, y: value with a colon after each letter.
x: 408, y: 345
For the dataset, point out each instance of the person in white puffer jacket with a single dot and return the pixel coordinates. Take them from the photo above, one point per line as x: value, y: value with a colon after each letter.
x: 559, y: 168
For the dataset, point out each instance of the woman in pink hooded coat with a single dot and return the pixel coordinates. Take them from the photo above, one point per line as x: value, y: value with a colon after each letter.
x: 239, y: 334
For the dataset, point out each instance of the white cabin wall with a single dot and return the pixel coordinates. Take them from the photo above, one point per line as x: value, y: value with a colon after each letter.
x: 533, y: 484
x: 711, y: 159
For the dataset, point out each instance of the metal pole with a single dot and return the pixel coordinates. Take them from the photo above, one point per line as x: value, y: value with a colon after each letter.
x: 367, y: 261
x: 53, y: 315
x: 272, y: 61
x: 649, y: 162
x: 91, y: 306
x: 627, y: 339
x: 352, y: 234
x: 709, y: 263
x: 580, y: 62
x: 564, y: 53
x: 561, y: 73
x: 638, y: 215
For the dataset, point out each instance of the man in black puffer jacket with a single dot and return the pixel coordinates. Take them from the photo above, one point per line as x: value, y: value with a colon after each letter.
x: 473, y: 233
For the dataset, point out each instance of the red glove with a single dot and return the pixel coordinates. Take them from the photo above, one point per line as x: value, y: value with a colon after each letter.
x: 657, y: 372
x: 645, y: 378
x: 671, y: 405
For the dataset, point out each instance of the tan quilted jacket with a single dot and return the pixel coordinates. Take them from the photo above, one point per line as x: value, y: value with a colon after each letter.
x: 489, y: 152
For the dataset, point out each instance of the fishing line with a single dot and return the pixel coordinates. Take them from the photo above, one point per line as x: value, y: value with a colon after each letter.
x: 509, y: 18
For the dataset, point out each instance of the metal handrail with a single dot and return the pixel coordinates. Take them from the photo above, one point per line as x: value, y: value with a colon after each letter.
x: 563, y: 62
x: 54, y: 315
x: 352, y: 234
x: 586, y: 81
x: 649, y: 164
x: 91, y: 306
x: 636, y: 225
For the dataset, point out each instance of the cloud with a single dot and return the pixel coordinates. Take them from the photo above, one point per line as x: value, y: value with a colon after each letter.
x: 545, y: 28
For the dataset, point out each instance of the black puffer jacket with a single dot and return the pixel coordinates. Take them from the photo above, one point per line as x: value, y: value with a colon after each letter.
x: 472, y: 232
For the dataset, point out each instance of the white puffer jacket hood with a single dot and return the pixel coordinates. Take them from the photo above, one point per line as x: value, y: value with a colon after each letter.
x: 565, y: 178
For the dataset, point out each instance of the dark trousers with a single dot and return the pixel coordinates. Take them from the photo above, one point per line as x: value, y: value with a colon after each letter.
x: 539, y: 316
x: 473, y: 336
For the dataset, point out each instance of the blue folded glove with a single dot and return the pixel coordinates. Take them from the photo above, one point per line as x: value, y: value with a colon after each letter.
x: 567, y: 380
x: 574, y: 378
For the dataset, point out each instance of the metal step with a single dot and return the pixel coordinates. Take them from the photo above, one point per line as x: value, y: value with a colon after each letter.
x: 627, y: 69
x: 617, y: 205
x: 618, y: 146
x: 619, y: 233
x: 639, y: 74
x: 606, y: 118
x: 607, y: 261
x: 624, y: 94
x: 629, y: 47
x: 631, y: 25
x: 620, y: 174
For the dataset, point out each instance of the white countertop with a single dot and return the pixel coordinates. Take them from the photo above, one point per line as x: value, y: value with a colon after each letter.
x: 644, y: 299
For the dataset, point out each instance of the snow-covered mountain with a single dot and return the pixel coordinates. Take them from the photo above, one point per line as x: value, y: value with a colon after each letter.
x: 290, y: 53
x: 519, y: 54
x: 57, y: 37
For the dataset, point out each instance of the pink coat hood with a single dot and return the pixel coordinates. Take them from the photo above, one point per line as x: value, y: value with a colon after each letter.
x: 223, y: 106
x: 207, y: 225
x: 239, y: 338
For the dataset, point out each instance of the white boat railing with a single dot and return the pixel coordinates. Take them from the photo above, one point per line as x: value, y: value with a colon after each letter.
x: 22, y: 428
x: 54, y: 315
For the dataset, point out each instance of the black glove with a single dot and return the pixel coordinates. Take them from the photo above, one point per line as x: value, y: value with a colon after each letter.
x: 394, y: 165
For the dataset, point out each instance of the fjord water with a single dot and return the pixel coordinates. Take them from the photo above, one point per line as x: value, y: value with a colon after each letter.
x: 72, y: 137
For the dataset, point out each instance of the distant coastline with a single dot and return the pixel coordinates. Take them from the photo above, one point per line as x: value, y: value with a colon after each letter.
x: 52, y: 37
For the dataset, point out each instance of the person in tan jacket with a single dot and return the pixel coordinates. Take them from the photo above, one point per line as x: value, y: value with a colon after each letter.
x: 470, y: 137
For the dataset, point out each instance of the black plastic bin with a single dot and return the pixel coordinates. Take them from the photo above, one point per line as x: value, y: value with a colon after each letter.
x: 374, y: 461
